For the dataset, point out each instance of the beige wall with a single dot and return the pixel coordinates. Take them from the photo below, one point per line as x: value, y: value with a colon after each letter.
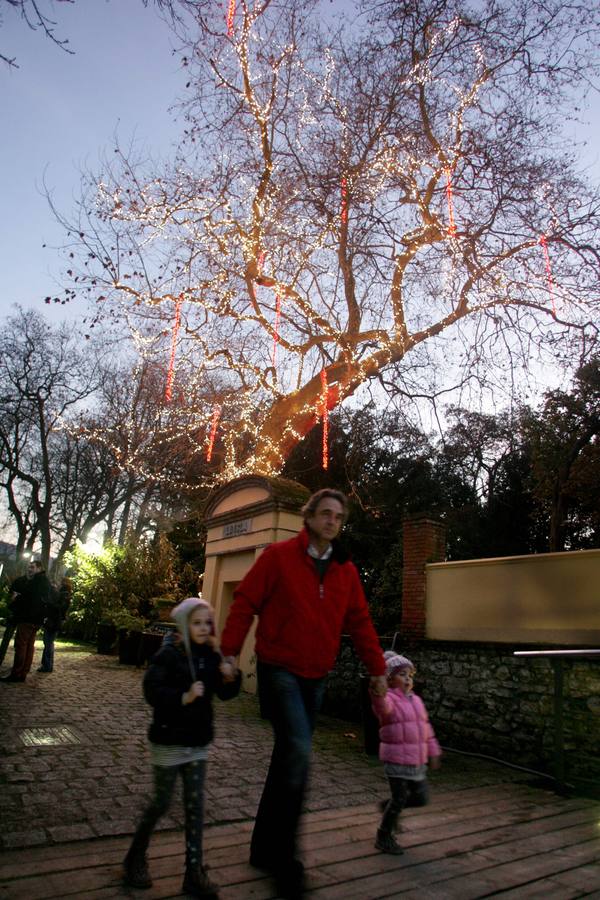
x: 550, y: 598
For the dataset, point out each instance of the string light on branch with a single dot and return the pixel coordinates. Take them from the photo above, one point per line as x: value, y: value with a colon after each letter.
x: 450, y: 202
x: 230, y: 17
x: 276, y: 329
x: 171, y: 369
x: 543, y: 241
x: 344, y: 205
x: 213, y: 431
x: 325, y: 415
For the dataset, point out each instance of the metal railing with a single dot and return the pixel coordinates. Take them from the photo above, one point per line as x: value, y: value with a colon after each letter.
x: 557, y: 658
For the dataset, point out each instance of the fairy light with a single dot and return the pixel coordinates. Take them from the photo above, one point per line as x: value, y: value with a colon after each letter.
x: 171, y: 369
x: 450, y: 201
x: 543, y: 241
x: 325, y: 415
x: 344, y: 204
x: 276, y: 329
x: 232, y: 322
x: 230, y: 17
x: 213, y: 431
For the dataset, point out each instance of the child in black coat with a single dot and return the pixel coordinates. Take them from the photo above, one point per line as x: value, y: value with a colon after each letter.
x: 179, y: 684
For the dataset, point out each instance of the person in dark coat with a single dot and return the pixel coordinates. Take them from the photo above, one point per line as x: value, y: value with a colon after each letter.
x: 29, y: 611
x: 179, y: 684
x: 59, y: 603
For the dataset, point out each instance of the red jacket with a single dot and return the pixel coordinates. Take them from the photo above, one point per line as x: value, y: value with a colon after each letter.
x: 301, y: 620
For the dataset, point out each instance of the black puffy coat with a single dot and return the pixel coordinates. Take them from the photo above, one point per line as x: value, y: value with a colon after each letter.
x: 167, y: 678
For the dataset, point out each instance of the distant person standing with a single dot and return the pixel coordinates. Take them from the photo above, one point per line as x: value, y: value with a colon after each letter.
x: 306, y: 593
x: 29, y: 611
x: 57, y: 608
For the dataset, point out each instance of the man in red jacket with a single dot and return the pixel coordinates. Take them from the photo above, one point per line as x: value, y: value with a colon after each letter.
x: 306, y: 592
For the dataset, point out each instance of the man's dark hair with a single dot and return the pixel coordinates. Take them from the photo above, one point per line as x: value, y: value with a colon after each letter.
x: 310, y: 507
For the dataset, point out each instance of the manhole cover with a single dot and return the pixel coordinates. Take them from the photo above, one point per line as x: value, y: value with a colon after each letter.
x: 46, y: 737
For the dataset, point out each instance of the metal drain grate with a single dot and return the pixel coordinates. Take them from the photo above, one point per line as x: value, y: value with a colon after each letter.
x: 47, y: 737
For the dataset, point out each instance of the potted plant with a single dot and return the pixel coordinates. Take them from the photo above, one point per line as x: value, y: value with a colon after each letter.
x: 129, y: 627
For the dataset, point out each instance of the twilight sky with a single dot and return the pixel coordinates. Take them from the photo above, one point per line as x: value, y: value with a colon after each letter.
x: 59, y: 112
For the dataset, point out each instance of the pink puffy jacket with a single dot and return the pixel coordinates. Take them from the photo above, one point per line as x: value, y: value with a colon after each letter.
x: 406, y: 736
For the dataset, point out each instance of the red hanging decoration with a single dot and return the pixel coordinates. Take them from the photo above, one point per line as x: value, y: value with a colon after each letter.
x: 449, y: 198
x: 261, y: 262
x: 276, y: 329
x: 171, y: 369
x: 325, y: 416
x: 344, y: 208
x: 230, y: 15
x: 213, y: 431
x: 543, y: 241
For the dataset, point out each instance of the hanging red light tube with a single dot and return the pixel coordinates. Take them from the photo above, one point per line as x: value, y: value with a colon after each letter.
x: 171, y: 369
x: 450, y: 201
x: 344, y: 206
x: 276, y: 329
x: 325, y: 414
x: 230, y: 15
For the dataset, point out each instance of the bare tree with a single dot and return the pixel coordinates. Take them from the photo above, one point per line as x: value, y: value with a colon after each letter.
x: 44, y: 377
x: 389, y: 199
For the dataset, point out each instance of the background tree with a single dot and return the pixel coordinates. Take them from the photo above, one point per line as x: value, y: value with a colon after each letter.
x: 44, y: 377
x: 565, y: 453
x: 388, y: 199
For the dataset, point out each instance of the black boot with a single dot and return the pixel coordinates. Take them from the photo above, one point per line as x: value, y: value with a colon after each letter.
x: 386, y: 842
x: 135, y: 869
x: 197, y: 883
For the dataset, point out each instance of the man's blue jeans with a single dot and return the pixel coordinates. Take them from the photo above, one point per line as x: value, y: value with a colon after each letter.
x: 291, y: 703
x: 47, y: 663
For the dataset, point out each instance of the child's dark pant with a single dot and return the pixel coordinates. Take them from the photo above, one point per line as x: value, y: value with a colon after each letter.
x: 192, y: 774
x: 404, y: 793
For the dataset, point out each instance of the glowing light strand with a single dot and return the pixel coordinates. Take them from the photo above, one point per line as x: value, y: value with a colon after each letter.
x: 213, y: 431
x: 171, y: 369
x: 325, y: 415
x: 344, y: 205
x: 276, y: 329
x: 543, y: 241
x: 230, y: 17
x: 450, y: 201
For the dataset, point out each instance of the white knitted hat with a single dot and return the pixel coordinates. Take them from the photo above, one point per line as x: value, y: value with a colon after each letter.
x: 395, y: 661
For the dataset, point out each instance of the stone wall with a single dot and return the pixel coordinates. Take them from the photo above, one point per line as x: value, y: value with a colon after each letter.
x: 482, y: 699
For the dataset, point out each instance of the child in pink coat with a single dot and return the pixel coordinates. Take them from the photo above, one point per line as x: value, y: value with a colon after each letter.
x: 407, y: 743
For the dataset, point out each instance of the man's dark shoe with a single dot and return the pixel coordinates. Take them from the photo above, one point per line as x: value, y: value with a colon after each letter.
x: 289, y: 880
x: 44, y: 670
x: 15, y: 679
x: 198, y: 884
x: 135, y: 871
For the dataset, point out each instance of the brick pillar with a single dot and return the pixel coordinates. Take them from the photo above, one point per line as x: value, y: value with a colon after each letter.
x: 424, y: 541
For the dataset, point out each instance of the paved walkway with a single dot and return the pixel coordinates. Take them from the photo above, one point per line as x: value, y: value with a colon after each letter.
x: 75, y: 761
x: 75, y: 773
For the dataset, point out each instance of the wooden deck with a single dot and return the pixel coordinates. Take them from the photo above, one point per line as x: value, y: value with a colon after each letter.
x: 513, y: 841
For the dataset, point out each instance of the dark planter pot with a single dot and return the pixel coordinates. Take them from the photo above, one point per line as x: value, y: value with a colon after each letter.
x: 106, y: 639
x: 130, y: 645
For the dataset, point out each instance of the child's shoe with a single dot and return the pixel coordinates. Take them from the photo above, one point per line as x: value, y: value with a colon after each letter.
x: 386, y: 842
x: 197, y: 883
x: 135, y: 870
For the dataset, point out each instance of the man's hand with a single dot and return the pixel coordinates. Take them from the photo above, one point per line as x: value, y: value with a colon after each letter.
x: 228, y: 668
x: 378, y: 685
